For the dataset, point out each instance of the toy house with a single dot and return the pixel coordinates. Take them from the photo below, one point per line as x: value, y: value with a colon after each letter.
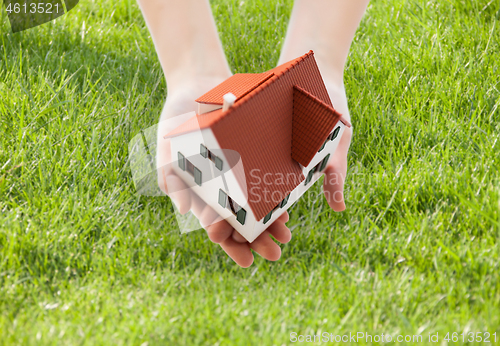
x: 258, y: 142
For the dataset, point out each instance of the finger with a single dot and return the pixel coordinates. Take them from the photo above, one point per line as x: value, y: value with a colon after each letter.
x: 280, y: 232
x: 179, y: 193
x: 281, y: 220
x: 162, y: 182
x: 335, y: 174
x: 284, y: 217
x: 239, y: 252
x: 333, y: 187
x: 266, y: 247
x: 163, y: 172
x: 197, y: 205
x: 208, y: 217
x: 237, y: 237
x: 163, y: 157
x: 219, y: 231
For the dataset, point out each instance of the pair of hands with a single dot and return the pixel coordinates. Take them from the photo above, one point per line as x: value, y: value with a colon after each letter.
x: 218, y: 230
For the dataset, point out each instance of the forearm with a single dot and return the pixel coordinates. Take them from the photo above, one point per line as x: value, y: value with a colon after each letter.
x: 186, y: 40
x: 328, y: 28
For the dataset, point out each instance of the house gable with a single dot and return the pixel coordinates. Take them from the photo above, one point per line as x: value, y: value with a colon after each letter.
x: 313, y: 120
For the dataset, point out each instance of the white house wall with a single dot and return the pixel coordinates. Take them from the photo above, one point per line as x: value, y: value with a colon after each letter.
x: 329, y: 148
x: 205, y: 108
x: 189, y: 145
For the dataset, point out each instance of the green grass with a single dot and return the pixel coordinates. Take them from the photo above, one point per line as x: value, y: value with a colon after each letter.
x: 83, y: 260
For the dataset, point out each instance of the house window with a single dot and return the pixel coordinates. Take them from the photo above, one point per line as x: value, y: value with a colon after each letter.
x: 203, y: 151
x: 211, y: 156
x: 233, y: 206
x: 188, y: 166
x: 324, y: 144
x: 222, y: 198
x: 324, y: 162
x: 335, y: 133
x: 284, y: 201
x: 197, y: 176
x: 218, y: 163
x: 241, y: 216
x: 182, y: 161
x: 330, y: 137
x: 318, y: 168
x: 310, y: 176
x: 227, y: 202
x: 268, y: 217
x: 279, y: 205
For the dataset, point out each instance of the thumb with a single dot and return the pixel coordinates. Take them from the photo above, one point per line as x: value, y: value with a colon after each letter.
x: 335, y: 173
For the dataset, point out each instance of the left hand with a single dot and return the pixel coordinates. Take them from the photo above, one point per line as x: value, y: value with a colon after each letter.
x: 219, y: 231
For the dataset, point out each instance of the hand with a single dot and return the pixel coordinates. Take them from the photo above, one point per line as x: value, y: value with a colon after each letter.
x: 219, y: 231
x: 336, y: 170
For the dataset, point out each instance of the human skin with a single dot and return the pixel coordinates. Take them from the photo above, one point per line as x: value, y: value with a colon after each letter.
x: 328, y: 27
x: 193, y: 61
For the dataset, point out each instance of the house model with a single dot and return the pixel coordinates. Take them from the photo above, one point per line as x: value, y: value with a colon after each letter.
x: 258, y: 142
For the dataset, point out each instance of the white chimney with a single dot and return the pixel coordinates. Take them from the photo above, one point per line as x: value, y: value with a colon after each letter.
x: 229, y: 100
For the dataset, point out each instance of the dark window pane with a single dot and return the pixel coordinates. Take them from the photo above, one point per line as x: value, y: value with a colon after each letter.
x: 324, y: 162
x: 218, y: 163
x: 310, y: 176
x: 323, y: 146
x: 203, y: 151
x: 241, y: 216
x: 222, y: 198
x: 335, y: 133
x: 284, y: 201
x: 182, y: 161
x: 197, y: 176
x: 268, y: 217
x: 233, y: 206
x: 189, y: 167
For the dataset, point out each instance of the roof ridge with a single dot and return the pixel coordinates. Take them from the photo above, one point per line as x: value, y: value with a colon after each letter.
x: 269, y: 81
x: 297, y: 61
x: 311, y: 96
x: 323, y: 104
x: 312, y: 121
x: 239, y: 84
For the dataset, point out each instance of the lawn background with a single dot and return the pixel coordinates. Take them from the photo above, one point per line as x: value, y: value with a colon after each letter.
x: 83, y: 260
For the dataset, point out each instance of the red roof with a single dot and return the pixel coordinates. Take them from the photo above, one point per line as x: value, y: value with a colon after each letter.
x: 275, y: 126
x: 313, y: 120
x: 239, y: 85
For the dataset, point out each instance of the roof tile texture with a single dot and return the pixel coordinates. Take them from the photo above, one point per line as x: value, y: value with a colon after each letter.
x: 239, y: 85
x: 265, y: 117
x: 313, y: 120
